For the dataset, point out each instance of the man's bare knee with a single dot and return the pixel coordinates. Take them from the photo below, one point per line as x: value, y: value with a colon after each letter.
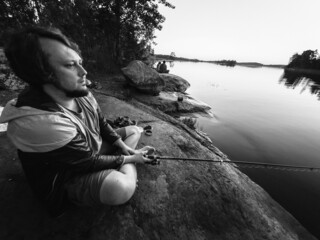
x: 133, y: 130
x: 133, y: 135
x: 117, y: 189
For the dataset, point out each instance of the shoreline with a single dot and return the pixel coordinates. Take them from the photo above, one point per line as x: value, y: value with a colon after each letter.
x: 208, y: 200
x: 228, y: 63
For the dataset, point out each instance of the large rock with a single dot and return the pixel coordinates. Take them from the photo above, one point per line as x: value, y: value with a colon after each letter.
x: 174, y: 83
x: 168, y: 102
x: 174, y: 200
x: 143, y: 77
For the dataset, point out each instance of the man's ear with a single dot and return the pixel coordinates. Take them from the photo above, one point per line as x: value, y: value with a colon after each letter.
x: 51, y: 78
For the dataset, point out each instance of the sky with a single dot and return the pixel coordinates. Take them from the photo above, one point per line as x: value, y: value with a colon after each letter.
x: 268, y: 31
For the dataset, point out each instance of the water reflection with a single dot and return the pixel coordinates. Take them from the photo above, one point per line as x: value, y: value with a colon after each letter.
x: 305, y: 81
x: 259, y: 120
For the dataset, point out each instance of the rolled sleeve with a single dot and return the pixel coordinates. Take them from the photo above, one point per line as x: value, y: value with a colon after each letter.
x: 108, y: 134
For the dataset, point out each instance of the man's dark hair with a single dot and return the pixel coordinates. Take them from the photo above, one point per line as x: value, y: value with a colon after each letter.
x: 26, y: 57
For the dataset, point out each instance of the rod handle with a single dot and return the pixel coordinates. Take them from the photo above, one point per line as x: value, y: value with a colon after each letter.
x: 154, y: 158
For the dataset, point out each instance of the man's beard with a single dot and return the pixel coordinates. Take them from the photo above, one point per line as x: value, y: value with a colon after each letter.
x: 71, y: 93
x: 76, y: 93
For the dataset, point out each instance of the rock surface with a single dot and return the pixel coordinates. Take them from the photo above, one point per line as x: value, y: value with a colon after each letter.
x: 174, y: 83
x: 174, y: 200
x: 143, y: 77
x: 168, y: 102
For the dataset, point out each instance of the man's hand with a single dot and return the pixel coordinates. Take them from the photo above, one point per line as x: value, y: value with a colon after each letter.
x: 127, y: 150
x: 148, y: 150
x: 140, y: 155
x: 135, y: 155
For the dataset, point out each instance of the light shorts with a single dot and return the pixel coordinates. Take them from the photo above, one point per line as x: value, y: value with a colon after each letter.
x: 85, y: 190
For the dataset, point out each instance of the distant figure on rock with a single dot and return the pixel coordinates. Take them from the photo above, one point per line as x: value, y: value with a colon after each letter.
x: 158, y: 66
x: 163, y: 68
x: 69, y: 152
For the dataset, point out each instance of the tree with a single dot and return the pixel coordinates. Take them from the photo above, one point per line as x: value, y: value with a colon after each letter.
x: 15, y: 14
x: 309, y: 59
x: 133, y: 22
x: 107, y: 30
x: 172, y: 55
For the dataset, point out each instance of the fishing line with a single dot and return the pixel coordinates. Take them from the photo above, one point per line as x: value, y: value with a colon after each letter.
x: 156, y: 160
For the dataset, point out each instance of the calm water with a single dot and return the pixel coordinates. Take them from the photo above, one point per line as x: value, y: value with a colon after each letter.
x: 258, y: 119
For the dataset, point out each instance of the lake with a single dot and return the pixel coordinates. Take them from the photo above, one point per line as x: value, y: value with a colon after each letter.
x: 259, y: 119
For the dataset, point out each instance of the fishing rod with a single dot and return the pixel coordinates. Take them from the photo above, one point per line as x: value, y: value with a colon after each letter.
x: 156, y: 161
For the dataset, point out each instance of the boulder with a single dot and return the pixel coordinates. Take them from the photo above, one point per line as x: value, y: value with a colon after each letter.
x: 174, y: 200
x: 143, y: 78
x: 174, y: 83
x: 175, y: 103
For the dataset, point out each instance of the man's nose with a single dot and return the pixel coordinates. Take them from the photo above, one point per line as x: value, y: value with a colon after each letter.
x: 81, y: 71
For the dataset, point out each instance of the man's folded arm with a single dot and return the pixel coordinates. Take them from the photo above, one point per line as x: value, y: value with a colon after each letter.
x: 76, y: 156
x: 106, y: 131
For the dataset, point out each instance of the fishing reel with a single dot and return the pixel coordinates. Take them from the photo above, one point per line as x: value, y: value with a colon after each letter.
x: 154, y: 158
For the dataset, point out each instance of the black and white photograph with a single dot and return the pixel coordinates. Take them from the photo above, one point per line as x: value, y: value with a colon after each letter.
x: 159, y: 120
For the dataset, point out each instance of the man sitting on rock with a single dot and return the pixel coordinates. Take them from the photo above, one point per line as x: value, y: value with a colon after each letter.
x: 163, y: 67
x: 66, y: 147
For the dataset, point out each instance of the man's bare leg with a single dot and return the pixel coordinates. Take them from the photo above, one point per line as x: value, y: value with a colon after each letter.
x: 119, y: 186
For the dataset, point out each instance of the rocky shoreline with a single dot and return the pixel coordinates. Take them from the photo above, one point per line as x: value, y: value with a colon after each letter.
x: 174, y: 200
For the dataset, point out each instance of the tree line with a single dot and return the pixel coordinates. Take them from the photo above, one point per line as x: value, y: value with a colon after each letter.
x: 309, y: 59
x: 110, y: 33
x: 304, y: 68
